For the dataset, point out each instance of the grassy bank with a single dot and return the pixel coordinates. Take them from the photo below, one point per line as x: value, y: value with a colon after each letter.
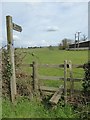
x: 34, y: 109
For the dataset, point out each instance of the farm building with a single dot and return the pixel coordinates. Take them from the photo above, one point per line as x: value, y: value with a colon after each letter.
x: 82, y: 45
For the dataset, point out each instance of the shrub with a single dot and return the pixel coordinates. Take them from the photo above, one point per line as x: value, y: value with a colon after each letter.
x: 6, y: 73
x: 86, y: 80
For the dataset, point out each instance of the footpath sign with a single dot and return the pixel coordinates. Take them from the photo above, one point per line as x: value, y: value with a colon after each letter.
x: 17, y: 27
x: 10, y: 27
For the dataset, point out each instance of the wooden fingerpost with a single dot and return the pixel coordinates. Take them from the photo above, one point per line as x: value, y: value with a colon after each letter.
x: 65, y: 81
x: 11, y: 56
x: 35, y: 77
x: 71, y: 79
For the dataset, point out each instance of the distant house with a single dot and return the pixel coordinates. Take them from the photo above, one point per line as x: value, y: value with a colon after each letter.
x: 82, y: 45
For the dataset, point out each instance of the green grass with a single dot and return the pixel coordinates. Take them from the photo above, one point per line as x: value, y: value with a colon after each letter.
x: 44, y: 55
x: 34, y: 109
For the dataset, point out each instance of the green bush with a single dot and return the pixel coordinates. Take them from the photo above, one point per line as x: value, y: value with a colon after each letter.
x: 6, y: 66
x: 86, y: 80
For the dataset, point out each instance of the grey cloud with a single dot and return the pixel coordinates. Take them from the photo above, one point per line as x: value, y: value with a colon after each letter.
x: 52, y: 29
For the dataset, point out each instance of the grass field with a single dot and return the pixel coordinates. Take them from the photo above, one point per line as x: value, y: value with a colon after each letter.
x: 35, y: 109
x: 55, y: 56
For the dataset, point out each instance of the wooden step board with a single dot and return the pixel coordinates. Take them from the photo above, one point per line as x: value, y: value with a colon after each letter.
x: 48, y: 89
x: 57, y: 95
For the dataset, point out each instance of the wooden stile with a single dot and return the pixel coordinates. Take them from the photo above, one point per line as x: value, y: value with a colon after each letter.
x: 55, y: 98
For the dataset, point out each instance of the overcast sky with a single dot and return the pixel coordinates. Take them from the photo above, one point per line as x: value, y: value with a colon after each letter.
x: 45, y: 23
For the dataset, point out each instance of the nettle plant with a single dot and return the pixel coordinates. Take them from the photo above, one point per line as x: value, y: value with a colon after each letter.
x: 86, y: 80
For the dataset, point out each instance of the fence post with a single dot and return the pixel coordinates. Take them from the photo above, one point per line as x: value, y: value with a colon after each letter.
x: 65, y: 81
x: 11, y: 56
x: 71, y: 79
x: 35, y: 76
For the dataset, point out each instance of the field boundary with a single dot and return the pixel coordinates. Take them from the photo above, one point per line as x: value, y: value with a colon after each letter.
x: 66, y: 66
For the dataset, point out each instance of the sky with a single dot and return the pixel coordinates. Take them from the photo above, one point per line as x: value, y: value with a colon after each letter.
x: 44, y: 23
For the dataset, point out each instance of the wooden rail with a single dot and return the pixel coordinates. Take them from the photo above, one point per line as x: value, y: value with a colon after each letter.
x: 77, y: 66
x: 50, y: 78
x: 54, y: 65
x: 58, y: 78
x: 51, y: 66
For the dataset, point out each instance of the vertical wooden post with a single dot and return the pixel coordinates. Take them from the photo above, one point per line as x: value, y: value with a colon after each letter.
x: 71, y: 79
x: 65, y: 81
x: 11, y: 56
x: 0, y: 83
x: 35, y: 76
x: 75, y: 41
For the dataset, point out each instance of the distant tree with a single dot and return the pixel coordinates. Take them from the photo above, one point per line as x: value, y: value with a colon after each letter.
x: 29, y: 47
x: 60, y: 46
x: 84, y: 37
x: 50, y: 47
x: 65, y: 43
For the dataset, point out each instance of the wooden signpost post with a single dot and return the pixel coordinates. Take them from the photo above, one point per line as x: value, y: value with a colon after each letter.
x: 10, y: 27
